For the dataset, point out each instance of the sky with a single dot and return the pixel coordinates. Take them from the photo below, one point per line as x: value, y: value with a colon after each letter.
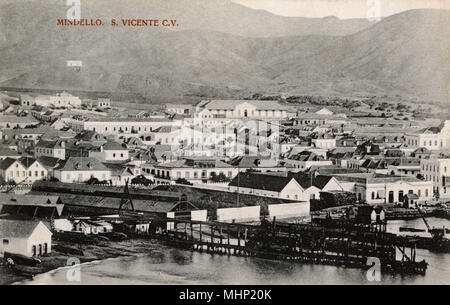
x: 343, y: 9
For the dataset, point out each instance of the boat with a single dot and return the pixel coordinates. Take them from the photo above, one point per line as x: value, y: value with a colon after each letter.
x: 19, y: 259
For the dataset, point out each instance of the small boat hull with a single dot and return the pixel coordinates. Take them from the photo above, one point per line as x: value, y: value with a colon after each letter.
x: 19, y: 259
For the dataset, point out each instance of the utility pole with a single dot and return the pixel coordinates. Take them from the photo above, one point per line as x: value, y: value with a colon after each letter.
x: 238, y: 185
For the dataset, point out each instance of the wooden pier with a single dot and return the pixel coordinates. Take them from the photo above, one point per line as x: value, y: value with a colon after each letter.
x: 350, y: 247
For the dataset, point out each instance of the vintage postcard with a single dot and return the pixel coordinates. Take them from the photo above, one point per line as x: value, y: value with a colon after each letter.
x: 224, y: 142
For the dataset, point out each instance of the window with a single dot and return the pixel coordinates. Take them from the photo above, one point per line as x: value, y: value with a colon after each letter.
x: 373, y: 195
x: 6, y: 241
x: 391, y: 197
x: 400, y: 196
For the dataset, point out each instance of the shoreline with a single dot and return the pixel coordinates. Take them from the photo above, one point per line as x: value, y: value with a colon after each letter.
x: 92, y: 253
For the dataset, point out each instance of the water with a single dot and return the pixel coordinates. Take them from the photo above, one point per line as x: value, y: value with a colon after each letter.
x: 164, y: 265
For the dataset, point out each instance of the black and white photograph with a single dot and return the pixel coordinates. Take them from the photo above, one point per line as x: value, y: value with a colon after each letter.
x: 189, y: 143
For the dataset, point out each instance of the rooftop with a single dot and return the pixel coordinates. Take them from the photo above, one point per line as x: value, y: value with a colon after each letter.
x: 231, y: 104
x: 81, y: 164
x: 17, y: 228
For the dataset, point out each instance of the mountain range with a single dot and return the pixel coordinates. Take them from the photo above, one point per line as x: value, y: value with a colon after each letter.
x: 223, y: 49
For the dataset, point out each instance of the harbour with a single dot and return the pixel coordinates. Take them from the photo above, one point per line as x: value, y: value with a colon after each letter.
x: 167, y: 265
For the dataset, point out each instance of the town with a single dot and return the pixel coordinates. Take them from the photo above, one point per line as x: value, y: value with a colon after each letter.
x: 253, y: 177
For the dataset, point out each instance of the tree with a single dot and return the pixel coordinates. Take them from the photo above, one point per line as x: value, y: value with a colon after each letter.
x: 94, y: 180
x: 141, y: 179
x: 183, y: 181
x: 219, y: 178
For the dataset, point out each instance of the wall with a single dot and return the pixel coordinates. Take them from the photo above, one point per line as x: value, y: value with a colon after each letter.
x: 85, y: 175
x: 286, y: 210
x: 199, y: 215
x: 294, y: 191
x: 238, y: 214
x: 63, y: 225
x: 15, y: 245
x: 41, y: 235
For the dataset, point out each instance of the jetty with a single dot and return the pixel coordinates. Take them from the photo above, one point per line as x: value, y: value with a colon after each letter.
x: 346, y: 246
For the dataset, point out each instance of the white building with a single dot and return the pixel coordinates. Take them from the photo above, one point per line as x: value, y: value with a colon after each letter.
x: 103, y: 103
x: 179, y: 109
x: 276, y: 186
x: 195, y: 170
x: 24, y: 169
x: 29, y: 238
x: 14, y: 121
x: 324, y: 141
x: 324, y: 111
x: 238, y: 109
x: 51, y: 148
x: 26, y: 100
x: 127, y: 127
x: 432, y: 138
x: 110, y: 151
x: 437, y: 170
x: 380, y: 189
x: 81, y: 169
x: 63, y: 99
